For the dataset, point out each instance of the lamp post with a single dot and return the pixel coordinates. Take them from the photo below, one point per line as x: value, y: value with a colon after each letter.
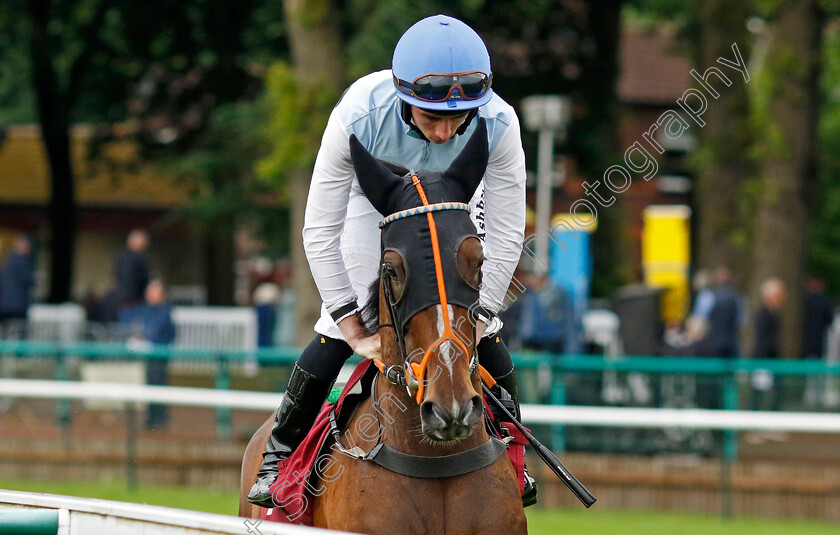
x: 546, y: 114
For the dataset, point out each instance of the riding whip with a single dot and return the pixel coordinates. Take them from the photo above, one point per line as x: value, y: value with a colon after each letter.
x: 577, y: 488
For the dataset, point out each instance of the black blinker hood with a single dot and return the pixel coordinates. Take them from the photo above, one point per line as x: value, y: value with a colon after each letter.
x: 411, y: 238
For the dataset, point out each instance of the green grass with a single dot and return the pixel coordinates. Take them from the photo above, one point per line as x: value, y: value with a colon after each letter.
x: 594, y: 521
x: 575, y: 521
x: 195, y: 499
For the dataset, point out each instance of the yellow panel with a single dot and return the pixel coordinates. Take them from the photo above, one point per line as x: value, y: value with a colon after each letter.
x: 665, y: 237
x: 666, y: 256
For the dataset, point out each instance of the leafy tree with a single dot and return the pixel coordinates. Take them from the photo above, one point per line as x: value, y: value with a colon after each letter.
x: 824, y: 250
x: 787, y: 111
x: 165, y: 64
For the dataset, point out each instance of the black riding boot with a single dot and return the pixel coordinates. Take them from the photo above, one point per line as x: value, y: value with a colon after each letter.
x: 508, y: 383
x: 301, y: 404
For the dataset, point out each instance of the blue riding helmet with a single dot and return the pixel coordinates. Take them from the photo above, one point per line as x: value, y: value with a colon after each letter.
x: 441, y: 64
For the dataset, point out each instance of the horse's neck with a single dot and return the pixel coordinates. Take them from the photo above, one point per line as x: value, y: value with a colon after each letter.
x: 401, y: 428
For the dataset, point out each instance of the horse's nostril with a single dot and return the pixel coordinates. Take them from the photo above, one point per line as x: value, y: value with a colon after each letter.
x: 432, y: 415
x: 471, y: 412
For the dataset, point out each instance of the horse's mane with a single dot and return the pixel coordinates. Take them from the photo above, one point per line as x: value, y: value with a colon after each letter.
x: 370, y: 311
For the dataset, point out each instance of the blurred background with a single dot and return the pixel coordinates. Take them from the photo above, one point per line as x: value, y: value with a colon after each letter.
x: 683, y: 193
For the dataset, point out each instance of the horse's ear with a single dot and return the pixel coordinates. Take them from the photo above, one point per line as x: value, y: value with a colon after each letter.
x: 467, y: 170
x: 378, y: 182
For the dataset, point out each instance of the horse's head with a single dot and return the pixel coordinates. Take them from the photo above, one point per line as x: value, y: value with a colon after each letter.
x: 429, y: 281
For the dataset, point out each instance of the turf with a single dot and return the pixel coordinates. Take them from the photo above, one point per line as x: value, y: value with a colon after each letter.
x: 592, y: 522
x: 540, y: 521
x: 195, y: 499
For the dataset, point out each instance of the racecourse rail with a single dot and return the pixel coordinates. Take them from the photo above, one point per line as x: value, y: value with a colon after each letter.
x: 534, y: 414
x: 558, y: 414
x: 29, y: 513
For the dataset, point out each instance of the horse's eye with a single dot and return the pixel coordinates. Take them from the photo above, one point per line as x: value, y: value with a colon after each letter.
x: 396, y: 280
x: 469, y: 258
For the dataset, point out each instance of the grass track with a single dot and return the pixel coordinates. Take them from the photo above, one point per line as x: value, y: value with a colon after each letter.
x: 540, y: 521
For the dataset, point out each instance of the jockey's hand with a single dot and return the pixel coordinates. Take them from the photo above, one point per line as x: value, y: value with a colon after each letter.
x: 480, y: 328
x: 355, y: 334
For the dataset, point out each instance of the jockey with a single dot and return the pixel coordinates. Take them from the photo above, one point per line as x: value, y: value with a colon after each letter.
x: 418, y: 115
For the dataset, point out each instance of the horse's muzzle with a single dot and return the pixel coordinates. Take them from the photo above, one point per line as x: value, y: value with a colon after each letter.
x: 444, y: 424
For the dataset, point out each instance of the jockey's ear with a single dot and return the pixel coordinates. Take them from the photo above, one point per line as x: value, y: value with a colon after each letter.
x: 467, y: 170
x: 379, y: 183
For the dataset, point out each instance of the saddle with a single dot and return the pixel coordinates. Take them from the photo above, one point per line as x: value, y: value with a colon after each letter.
x: 297, y: 480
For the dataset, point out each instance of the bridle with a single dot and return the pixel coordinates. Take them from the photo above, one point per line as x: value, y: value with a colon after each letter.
x: 412, y: 374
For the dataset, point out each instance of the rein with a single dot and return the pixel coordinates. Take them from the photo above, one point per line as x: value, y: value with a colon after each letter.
x: 413, y: 374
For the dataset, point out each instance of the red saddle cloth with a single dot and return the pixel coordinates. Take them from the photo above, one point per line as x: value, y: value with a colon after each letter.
x: 293, y: 491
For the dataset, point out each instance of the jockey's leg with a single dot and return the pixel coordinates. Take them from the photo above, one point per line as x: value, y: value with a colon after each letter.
x: 494, y: 355
x: 309, y: 385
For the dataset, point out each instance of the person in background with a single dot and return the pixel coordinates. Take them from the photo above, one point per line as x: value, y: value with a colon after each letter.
x: 817, y: 317
x: 154, y: 320
x: 132, y: 270
x: 547, y: 316
x: 16, y: 280
x: 266, y: 297
x: 724, y: 319
x: 768, y: 326
x: 704, y: 297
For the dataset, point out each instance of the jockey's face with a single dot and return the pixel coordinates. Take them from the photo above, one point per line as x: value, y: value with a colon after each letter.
x: 437, y: 128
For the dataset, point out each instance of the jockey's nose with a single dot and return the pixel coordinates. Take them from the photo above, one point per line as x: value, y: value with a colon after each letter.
x: 450, y: 423
x: 444, y: 130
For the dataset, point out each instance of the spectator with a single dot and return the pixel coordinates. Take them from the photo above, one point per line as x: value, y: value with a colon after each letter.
x: 767, y: 342
x: 16, y: 281
x: 693, y: 339
x: 266, y: 298
x: 768, y: 319
x: 132, y: 270
x: 724, y: 317
x: 817, y: 317
x: 154, y: 321
x: 547, y: 316
x: 704, y: 298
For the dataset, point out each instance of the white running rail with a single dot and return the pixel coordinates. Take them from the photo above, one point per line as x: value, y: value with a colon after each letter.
x: 535, y: 414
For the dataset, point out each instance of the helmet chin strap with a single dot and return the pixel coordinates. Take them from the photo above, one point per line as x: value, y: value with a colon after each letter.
x: 405, y: 111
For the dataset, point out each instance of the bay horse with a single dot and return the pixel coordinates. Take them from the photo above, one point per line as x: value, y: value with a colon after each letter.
x: 440, y: 471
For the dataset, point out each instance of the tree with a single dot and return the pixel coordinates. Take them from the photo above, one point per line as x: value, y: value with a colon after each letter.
x: 56, y: 77
x: 787, y: 107
x: 824, y: 250
x: 722, y: 161
x: 302, y: 96
x: 165, y: 64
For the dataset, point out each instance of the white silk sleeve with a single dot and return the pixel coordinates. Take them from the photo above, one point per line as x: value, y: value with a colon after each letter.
x: 504, y: 200
x: 326, y: 211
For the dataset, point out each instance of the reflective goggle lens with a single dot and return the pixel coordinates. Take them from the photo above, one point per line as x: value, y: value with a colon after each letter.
x: 441, y: 87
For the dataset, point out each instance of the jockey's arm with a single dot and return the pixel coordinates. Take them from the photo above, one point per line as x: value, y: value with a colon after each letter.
x: 326, y: 211
x: 504, y: 198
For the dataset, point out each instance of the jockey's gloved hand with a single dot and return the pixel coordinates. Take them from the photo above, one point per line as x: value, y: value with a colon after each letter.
x: 507, y: 401
x: 357, y: 337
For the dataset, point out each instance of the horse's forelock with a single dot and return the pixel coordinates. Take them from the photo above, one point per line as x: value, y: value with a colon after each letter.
x: 370, y: 311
